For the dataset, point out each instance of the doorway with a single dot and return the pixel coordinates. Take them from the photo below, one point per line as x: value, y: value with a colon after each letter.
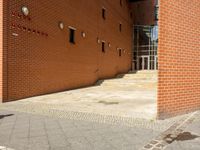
x: 143, y: 63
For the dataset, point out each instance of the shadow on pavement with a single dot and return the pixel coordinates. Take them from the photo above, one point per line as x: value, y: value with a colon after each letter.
x: 3, y: 116
x: 181, y: 137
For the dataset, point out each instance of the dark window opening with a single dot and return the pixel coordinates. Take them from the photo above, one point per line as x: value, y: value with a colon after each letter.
x: 103, y: 47
x: 72, y: 36
x: 120, y: 52
x: 104, y: 13
x: 156, y: 13
x: 120, y: 27
x: 131, y: 15
x: 120, y: 2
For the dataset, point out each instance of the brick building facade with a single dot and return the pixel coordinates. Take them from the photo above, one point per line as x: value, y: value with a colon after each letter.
x: 178, y: 57
x: 71, y: 44
x: 40, y: 58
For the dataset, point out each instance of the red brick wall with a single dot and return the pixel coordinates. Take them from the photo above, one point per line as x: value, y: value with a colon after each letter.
x: 1, y: 49
x: 179, y: 57
x: 143, y: 12
x: 39, y: 64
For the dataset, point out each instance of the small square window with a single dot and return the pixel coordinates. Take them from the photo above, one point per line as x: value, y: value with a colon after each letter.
x: 120, y: 27
x: 131, y: 15
x: 120, y: 2
x: 120, y: 52
x: 71, y: 35
x: 104, y: 13
x: 103, y: 47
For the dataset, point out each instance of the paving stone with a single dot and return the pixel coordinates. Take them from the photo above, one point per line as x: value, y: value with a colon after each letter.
x: 66, y: 123
x: 37, y: 133
x: 20, y: 135
x: 61, y: 148
x: 74, y: 132
x: 58, y: 140
x: 42, y: 140
x: 4, y: 139
x: 18, y: 144
x: 53, y: 133
x: 39, y: 147
x: 79, y: 143
x: 102, y: 145
x: 91, y: 135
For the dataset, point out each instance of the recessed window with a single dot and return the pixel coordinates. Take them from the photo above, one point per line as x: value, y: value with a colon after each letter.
x: 120, y: 27
x: 131, y: 15
x: 72, y: 35
x: 104, y: 13
x: 120, y: 52
x: 103, y: 47
x: 120, y: 2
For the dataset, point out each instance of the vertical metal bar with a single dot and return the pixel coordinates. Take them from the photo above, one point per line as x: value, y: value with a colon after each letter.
x: 137, y: 58
x: 149, y: 46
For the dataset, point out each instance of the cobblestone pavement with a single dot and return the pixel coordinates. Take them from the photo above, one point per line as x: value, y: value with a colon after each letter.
x: 33, y: 131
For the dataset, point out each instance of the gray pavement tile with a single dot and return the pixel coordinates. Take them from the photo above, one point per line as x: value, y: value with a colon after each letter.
x: 36, y: 118
x: 4, y: 127
x: 38, y: 147
x: 102, y: 145
x: 10, y: 119
x: 23, y: 117
x: 79, y: 143
x: 18, y: 144
x: 104, y: 131
x: 189, y: 145
x: 61, y: 148
x: 58, y: 141
x: 5, y: 132
x: 37, y: 132
x: 42, y: 140
x: 119, y: 129
x: 22, y: 123
x: 194, y: 127
x: 175, y: 146
x: 37, y: 123
x: 37, y: 127
x: 20, y: 135
x: 96, y: 139
x: 74, y: 132
x: 55, y: 131
x: 99, y: 125
x: 51, y: 126
x: 119, y: 142
x: 21, y: 129
x: 90, y: 134
x: 84, y: 125
x: 4, y: 139
x: 66, y: 123
x: 137, y: 140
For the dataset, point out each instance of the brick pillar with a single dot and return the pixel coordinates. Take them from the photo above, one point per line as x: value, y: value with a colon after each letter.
x: 178, y: 57
x: 1, y: 49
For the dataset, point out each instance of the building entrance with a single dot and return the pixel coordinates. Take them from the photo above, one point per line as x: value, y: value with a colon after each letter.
x: 143, y: 63
x: 145, y: 48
